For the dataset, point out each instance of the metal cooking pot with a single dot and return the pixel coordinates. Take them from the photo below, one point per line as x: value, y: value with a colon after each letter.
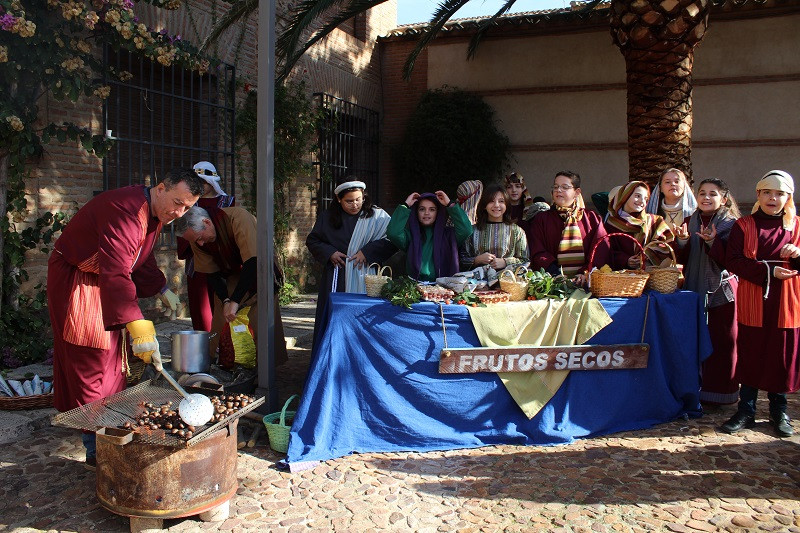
x: 190, y: 351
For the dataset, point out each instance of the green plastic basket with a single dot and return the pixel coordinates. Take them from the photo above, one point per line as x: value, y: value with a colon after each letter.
x: 279, y: 433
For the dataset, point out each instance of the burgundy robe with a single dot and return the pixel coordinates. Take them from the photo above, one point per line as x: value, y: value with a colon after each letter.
x: 544, y: 236
x: 101, y: 265
x: 767, y: 355
x: 718, y: 383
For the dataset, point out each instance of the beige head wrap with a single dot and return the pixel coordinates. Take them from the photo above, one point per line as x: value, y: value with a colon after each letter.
x: 779, y: 180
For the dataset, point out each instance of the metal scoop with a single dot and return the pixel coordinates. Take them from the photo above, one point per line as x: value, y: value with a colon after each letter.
x: 194, y: 409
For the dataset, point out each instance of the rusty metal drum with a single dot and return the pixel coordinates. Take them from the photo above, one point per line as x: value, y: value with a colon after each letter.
x: 138, y: 479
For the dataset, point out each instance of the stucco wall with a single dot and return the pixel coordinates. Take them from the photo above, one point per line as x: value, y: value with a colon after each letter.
x: 561, y: 100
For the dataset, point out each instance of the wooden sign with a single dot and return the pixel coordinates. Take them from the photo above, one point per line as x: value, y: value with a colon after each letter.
x: 540, y: 358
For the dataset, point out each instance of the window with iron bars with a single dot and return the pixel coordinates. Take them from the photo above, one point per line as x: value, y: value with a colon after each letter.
x: 348, y: 146
x: 167, y: 117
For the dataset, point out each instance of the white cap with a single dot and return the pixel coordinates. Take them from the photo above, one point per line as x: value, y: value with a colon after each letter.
x: 208, y: 173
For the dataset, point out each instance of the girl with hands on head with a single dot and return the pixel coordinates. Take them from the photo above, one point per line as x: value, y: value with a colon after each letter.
x: 419, y: 227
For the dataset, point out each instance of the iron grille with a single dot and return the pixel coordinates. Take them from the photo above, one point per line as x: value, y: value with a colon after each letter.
x: 348, y: 146
x: 167, y: 117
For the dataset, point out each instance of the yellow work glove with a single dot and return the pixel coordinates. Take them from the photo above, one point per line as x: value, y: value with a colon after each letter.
x: 144, y: 342
x: 170, y: 301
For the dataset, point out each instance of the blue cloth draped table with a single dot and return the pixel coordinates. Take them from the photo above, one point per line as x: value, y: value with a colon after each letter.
x: 374, y: 382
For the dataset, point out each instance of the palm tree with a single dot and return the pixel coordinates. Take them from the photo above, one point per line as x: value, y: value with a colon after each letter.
x: 656, y: 38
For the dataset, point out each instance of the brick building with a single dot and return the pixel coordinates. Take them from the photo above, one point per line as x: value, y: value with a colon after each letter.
x: 167, y: 117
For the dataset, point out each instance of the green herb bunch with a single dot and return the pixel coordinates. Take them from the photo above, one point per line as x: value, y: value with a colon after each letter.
x: 468, y: 298
x: 401, y: 291
x: 542, y: 284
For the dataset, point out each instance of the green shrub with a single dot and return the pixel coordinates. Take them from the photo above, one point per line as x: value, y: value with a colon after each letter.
x: 451, y: 137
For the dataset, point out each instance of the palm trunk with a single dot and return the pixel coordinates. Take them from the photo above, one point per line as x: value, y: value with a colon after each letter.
x: 659, y: 114
x: 657, y: 40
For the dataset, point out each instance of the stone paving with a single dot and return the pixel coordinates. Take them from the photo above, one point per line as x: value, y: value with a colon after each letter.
x: 680, y: 476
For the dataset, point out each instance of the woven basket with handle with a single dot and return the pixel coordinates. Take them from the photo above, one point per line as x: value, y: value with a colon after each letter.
x: 664, y: 278
x: 629, y: 283
x: 375, y: 282
x: 279, y: 433
x: 514, y: 283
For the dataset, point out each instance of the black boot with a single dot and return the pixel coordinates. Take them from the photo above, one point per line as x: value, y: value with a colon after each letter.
x: 738, y: 422
x: 780, y: 421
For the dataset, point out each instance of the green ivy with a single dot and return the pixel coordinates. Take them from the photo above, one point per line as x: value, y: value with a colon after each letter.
x: 452, y: 136
x: 296, y: 122
x: 23, y: 328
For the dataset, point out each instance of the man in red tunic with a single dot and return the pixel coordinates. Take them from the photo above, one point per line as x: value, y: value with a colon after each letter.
x: 101, y: 265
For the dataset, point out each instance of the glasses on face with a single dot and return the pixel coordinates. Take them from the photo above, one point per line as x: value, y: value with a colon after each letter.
x: 353, y: 202
x: 563, y: 188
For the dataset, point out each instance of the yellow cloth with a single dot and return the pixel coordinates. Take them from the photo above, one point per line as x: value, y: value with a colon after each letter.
x: 538, y: 323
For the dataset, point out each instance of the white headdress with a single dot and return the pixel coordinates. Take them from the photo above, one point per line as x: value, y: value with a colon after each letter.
x: 208, y: 173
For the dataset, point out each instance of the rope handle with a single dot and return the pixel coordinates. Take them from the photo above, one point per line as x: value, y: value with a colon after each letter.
x: 654, y: 245
x: 608, y: 236
x: 285, y: 406
x: 379, y: 269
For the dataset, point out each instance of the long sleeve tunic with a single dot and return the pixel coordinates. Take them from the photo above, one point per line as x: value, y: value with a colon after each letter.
x: 400, y: 235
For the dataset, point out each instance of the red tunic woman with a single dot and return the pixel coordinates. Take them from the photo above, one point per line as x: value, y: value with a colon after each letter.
x: 764, y: 251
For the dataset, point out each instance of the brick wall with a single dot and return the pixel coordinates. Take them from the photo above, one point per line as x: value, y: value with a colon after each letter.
x: 343, y: 65
x: 400, y: 98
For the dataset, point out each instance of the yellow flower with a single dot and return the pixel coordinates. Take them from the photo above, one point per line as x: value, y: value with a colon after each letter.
x: 72, y: 64
x: 125, y: 76
x: 3, y: 54
x: 25, y: 28
x: 16, y: 123
x: 83, y: 46
x: 90, y: 20
x: 112, y: 16
x: 103, y: 92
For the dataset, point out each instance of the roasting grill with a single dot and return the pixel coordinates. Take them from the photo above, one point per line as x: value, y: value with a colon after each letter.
x: 126, y: 406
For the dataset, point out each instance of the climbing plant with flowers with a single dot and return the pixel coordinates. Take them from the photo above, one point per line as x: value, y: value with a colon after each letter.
x: 52, y: 49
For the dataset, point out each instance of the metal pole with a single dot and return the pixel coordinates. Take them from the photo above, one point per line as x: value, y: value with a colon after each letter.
x: 265, y: 204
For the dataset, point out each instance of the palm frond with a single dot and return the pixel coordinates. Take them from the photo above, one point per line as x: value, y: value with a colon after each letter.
x: 589, y: 6
x: 241, y: 9
x: 442, y: 14
x: 287, y: 42
x: 305, y: 14
x: 484, y: 26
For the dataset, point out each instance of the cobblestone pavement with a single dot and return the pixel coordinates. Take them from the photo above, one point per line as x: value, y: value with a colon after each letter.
x: 680, y: 476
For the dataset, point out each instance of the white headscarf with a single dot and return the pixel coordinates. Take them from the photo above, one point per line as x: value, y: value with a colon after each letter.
x: 780, y: 181
x: 208, y: 173
x: 688, y: 201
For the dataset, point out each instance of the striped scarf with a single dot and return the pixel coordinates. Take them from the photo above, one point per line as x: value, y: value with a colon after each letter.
x: 366, y: 230
x: 570, y: 256
x: 750, y: 297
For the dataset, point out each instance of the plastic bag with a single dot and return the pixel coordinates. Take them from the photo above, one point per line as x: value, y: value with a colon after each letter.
x: 244, y: 345
x: 236, y: 343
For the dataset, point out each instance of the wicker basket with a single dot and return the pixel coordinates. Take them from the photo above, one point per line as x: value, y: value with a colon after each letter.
x: 664, y: 279
x: 18, y: 403
x: 375, y: 282
x: 629, y: 283
x: 279, y: 433
x: 512, y: 284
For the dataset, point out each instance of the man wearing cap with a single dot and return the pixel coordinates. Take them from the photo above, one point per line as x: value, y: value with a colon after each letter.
x: 764, y: 252
x: 224, y: 244
x: 101, y: 265
x: 200, y: 291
